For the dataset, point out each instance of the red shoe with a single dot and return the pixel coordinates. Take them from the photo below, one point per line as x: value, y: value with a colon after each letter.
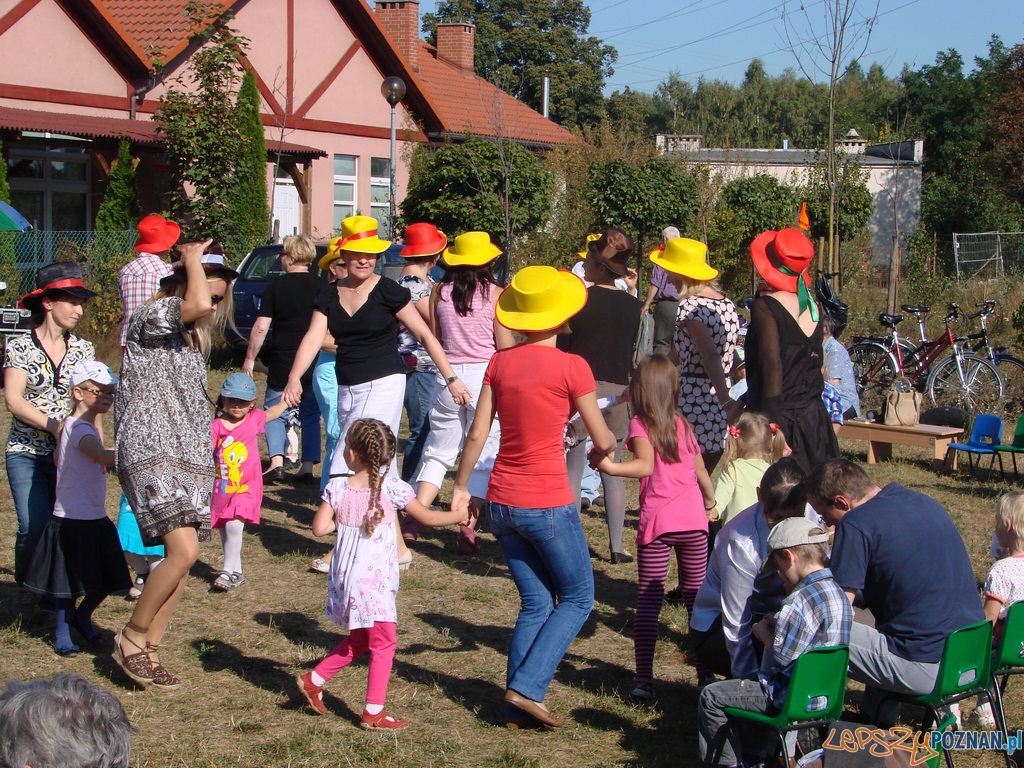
x: 410, y: 528
x: 312, y: 693
x: 466, y: 543
x: 382, y: 721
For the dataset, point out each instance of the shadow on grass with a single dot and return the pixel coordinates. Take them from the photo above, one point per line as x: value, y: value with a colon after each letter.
x: 266, y: 674
x: 279, y: 540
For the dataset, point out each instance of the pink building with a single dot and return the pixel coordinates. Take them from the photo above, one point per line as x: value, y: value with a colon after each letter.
x: 76, y: 75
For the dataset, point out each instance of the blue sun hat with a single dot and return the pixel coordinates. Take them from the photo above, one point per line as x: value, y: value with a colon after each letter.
x: 239, y: 386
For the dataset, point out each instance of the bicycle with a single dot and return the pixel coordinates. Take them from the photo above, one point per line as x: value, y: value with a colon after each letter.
x: 1011, y: 369
x: 959, y: 379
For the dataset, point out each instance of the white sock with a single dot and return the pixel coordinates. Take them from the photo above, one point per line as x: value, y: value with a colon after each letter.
x: 317, y: 680
x: 374, y: 709
x: 231, y: 542
x: 154, y: 561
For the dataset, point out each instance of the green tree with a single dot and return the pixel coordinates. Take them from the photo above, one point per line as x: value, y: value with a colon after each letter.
x: 120, y: 208
x: 5, y: 187
x: 854, y: 204
x: 518, y: 42
x: 200, y: 124
x: 497, y: 187
x: 248, y: 211
x: 642, y: 200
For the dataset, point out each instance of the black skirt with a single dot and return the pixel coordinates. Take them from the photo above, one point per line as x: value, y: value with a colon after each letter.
x: 75, y: 557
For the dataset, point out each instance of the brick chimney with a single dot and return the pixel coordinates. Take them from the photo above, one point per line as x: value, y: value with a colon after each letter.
x: 401, y: 22
x: 455, y: 43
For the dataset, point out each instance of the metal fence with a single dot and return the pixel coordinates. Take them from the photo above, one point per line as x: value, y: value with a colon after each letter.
x: 988, y: 255
x: 22, y: 253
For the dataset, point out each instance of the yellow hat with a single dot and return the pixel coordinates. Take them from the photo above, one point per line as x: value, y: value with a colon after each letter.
x: 586, y: 247
x: 471, y: 249
x: 358, y: 235
x: 685, y: 257
x: 540, y: 298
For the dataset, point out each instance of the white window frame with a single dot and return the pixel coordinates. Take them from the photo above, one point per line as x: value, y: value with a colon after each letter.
x: 345, y: 179
x: 47, y: 185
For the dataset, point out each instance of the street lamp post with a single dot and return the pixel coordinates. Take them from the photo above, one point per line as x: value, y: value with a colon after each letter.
x: 393, y: 89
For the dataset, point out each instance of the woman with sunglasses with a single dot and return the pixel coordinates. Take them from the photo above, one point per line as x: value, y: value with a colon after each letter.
x: 162, y: 440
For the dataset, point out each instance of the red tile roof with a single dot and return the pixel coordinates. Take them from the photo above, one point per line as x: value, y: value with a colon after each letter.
x: 160, y: 28
x: 142, y: 132
x: 450, y: 101
x: 467, y: 103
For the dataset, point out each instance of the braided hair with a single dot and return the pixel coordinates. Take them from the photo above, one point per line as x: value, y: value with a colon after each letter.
x: 374, y: 443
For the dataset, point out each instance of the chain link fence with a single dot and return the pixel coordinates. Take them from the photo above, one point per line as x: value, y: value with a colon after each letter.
x: 22, y: 253
x: 988, y: 255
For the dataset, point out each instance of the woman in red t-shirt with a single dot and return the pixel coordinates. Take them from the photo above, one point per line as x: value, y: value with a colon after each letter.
x: 534, y: 388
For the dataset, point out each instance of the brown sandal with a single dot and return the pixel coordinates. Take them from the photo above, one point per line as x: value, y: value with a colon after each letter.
x: 136, y: 665
x: 161, y: 677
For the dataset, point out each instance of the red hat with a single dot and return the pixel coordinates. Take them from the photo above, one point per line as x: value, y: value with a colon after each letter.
x: 423, y: 239
x: 156, y: 234
x: 781, y: 257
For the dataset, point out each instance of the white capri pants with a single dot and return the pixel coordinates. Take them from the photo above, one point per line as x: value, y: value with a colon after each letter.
x: 377, y: 399
x: 449, y: 425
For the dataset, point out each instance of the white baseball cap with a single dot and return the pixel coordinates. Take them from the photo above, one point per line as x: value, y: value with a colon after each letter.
x: 92, y: 370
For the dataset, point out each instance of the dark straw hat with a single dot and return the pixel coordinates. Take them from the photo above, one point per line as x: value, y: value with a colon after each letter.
x: 61, y: 276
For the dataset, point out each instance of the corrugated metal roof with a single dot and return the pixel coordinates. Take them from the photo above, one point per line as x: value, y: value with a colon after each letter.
x: 762, y: 157
x: 142, y: 132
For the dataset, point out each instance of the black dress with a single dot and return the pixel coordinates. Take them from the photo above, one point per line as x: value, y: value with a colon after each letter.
x: 784, y: 381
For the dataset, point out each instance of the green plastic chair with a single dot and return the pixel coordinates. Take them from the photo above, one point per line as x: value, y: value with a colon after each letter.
x: 1017, y: 446
x: 1008, y: 660
x: 819, y: 672
x: 965, y: 671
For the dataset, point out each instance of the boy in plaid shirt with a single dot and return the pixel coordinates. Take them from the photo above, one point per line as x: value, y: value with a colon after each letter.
x: 815, y: 614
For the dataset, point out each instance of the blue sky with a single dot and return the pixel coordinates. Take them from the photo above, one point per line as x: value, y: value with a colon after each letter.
x: 717, y: 38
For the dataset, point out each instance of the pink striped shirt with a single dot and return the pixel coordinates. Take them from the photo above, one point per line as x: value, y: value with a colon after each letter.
x: 467, y: 339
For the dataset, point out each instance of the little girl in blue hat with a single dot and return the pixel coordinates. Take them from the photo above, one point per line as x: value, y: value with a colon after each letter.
x: 238, y: 487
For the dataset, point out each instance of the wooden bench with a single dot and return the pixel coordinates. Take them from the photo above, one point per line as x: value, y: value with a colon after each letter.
x: 881, y: 438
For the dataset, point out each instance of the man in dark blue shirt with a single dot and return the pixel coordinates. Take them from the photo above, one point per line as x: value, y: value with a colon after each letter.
x: 901, y: 551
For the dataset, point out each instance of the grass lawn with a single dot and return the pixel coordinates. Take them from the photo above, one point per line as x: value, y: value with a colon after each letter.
x: 239, y: 651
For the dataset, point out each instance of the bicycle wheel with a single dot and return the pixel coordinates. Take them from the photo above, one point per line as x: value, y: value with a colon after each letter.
x: 978, y: 389
x: 1011, y: 371
x: 875, y: 369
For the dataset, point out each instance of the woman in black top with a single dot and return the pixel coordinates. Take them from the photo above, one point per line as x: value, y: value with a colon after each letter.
x: 603, y: 334
x: 784, y: 348
x: 362, y: 311
x: 287, y: 306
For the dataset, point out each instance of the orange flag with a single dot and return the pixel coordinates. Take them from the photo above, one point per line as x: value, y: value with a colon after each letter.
x: 804, y: 222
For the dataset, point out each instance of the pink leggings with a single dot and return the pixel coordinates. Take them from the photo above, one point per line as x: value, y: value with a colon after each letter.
x: 691, y: 548
x: 380, y: 640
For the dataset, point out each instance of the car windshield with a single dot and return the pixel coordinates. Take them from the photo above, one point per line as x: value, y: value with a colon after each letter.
x: 262, y: 265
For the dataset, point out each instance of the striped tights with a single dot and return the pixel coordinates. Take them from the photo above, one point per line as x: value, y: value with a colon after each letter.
x: 691, y: 549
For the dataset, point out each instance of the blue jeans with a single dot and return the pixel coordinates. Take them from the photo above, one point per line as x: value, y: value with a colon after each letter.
x: 309, y: 425
x: 325, y: 387
x: 548, y: 559
x: 419, y: 394
x: 33, y: 480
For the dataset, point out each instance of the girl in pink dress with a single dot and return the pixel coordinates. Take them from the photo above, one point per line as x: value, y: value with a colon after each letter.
x: 238, y: 487
x: 676, y: 502
x: 363, y: 577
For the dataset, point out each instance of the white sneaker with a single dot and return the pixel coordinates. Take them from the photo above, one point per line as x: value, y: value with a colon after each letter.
x: 135, y: 592
x: 980, y: 720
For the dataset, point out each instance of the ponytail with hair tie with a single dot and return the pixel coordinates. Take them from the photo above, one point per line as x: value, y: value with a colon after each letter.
x: 734, y: 432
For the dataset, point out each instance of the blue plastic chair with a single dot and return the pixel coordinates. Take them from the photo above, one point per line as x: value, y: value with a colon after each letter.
x: 986, y: 434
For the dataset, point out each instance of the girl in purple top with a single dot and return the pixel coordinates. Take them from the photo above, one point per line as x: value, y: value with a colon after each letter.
x: 676, y: 501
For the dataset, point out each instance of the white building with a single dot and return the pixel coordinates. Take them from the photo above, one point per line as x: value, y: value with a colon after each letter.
x: 894, y: 175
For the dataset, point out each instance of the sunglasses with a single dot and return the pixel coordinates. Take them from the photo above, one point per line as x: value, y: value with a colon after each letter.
x: 96, y: 392
x: 216, y: 298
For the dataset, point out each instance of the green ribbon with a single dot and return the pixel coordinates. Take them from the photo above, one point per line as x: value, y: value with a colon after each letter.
x: 803, y: 293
